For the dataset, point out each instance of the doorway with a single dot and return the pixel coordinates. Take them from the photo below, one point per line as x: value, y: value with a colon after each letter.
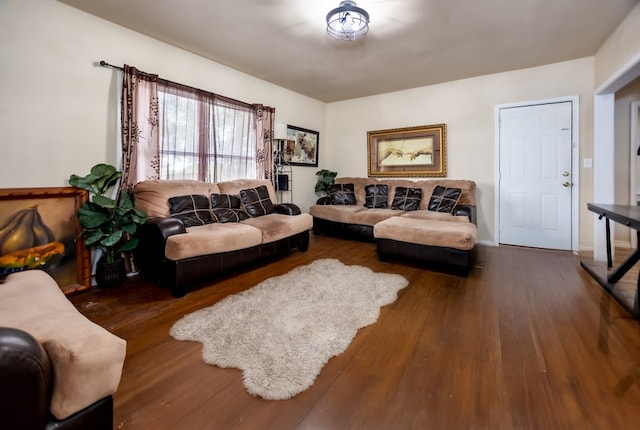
x: 535, y: 174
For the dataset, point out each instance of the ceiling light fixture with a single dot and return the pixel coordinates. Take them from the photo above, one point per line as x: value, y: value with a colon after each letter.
x: 347, y: 21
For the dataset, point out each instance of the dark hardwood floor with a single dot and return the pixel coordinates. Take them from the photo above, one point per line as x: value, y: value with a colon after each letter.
x: 527, y: 341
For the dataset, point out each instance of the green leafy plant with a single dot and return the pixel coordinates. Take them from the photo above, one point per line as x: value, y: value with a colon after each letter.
x: 109, y: 224
x: 326, y: 178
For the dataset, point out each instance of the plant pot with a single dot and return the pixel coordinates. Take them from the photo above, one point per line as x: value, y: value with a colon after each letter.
x: 110, y: 274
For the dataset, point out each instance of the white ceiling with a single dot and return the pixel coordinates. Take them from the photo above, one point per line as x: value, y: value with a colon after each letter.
x: 411, y: 43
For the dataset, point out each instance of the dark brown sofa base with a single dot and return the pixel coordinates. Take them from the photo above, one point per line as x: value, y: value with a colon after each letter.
x: 363, y: 233
x: 181, y: 275
x: 440, y: 259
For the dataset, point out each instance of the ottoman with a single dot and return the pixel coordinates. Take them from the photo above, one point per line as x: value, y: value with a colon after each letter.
x: 85, y: 359
x: 444, y: 246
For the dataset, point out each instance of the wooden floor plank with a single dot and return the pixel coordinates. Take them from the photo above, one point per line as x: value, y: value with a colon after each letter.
x: 528, y: 340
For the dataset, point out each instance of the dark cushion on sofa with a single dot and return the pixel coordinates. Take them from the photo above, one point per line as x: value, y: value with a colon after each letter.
x: 376, y: 196
x: 228, y: 215
x: 256, y: 201
x: 191, y: 209
x: 229, y: 201
x: 444, y: 199
x: 227, y: 208
x: 406, y: 199
x: 342, y: 194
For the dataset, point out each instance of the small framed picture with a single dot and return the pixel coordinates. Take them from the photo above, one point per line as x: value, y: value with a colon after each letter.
x: 301, y: 146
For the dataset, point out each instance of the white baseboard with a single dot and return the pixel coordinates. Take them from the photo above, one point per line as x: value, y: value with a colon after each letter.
x: 622, y: 244
x: 486, y: 243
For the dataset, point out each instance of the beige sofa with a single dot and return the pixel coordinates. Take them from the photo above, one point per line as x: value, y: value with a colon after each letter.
x: 180, y: 256
x: 57, y: 368
x: 443, y: 241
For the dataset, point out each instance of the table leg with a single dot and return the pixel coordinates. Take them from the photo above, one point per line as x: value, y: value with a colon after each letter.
x: 636, y: 308
x: 636, y: 305
x: 617, y: 274
x: 608, y: 233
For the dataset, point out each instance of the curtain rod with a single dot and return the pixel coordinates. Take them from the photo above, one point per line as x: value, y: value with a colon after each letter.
x: 105, y: 64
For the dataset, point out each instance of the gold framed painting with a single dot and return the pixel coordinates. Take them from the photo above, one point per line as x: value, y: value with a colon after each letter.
x: 39, y: 229
x: 408, y: 152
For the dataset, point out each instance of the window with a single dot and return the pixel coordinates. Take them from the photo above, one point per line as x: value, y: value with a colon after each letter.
x: 204, y: 136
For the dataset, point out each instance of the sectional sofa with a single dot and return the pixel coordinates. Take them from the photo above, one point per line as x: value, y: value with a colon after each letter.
x: 429, y: 222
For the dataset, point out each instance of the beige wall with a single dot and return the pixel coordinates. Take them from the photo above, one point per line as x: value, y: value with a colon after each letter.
x: 620, y: 50
x: 468, y: 109
x: 57, y: 109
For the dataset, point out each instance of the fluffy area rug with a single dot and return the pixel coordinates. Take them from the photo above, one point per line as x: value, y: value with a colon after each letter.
x: 281, y: 332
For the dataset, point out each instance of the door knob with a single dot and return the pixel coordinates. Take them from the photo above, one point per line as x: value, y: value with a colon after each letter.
x: 565, y: 184
x: 565, y: 173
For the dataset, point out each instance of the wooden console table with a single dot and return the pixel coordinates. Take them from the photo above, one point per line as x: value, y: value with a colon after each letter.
x: 607, y: 278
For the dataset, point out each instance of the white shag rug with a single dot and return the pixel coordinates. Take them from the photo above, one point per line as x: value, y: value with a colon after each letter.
x: 281, y: 332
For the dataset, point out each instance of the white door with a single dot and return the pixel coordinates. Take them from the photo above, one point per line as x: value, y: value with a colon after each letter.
x: 535, y: 175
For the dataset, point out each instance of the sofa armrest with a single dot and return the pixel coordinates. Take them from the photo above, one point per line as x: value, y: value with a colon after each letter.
x: 153, y: 237
x: 26, y: 375
x: 166, y: 226
x: 287, y: 209
x: 466, y: 210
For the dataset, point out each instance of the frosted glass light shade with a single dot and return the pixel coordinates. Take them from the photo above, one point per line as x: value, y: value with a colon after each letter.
x: 347, y: 22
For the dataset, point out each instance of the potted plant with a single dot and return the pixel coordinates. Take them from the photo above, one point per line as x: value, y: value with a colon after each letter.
x: 326, y: 178
x: 108, y: 224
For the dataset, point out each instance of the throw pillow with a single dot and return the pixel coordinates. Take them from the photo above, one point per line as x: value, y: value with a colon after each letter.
x: 256, y: 201
x: 228, y: 215
x: 376, y: 196
x: 444, y: 199
x: 227, y: 201
x: 406, y: 199
x: 342, y: 194
x: 191, y: 209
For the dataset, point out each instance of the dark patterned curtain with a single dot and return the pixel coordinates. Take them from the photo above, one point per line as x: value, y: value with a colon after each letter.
x: 265, y: 116
x: 140, y: 146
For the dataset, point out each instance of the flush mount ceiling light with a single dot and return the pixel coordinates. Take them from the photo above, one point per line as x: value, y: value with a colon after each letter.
x: 347, y: 21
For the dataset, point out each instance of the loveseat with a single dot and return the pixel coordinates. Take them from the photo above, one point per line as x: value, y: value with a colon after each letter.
x: 430, y: 222
x: 58, y: 370
x: 198, y: 229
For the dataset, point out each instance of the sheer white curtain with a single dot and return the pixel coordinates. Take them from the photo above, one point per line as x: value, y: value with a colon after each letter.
x: 173, y: 131
x: 204, y: 136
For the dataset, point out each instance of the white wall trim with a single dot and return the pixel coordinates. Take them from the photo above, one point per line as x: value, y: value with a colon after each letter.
x: 603, y: 167
x: 634, y: 143
x: 623, y: 244
x: 622, y: 77
x: 603, y: 149
x: 575, y: 162
x: 486, y: 243
x: 496, y: 180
